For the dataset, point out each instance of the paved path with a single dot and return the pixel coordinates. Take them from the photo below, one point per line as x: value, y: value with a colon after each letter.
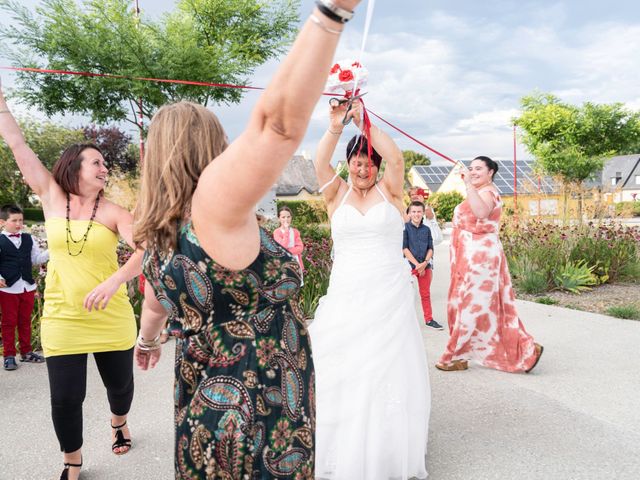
x: 577, y: 416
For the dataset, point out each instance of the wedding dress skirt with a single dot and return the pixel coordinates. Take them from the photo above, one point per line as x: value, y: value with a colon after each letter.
x: 372, y: 384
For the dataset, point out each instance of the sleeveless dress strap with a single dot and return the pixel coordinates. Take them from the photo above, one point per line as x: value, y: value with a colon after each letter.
x: 323, y: 187
x: 345, y: 196
x: 380, y: 190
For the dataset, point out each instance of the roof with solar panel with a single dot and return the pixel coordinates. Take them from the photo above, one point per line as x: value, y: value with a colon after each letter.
x: 528, y: 181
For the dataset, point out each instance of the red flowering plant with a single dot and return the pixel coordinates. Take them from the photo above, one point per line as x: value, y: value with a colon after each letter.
x: 545, y: 256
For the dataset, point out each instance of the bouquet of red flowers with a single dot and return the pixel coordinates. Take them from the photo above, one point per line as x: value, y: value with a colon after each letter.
x: 345, y: 76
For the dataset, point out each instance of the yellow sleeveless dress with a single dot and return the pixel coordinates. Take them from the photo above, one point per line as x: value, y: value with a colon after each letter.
x: 67, y: 327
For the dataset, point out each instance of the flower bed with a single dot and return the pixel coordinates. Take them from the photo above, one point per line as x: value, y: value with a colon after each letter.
x: 543, y: 256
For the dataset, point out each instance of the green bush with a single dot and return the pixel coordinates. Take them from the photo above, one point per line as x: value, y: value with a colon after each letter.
x: 629, y: 312
x: 610, y: 252
x: 33, y: 214
x: 444, y: 203
x: 546, y: 300
x: 306, y: 212
x: 317, y: 264
x: 575, y: 277
x: 527, y: 277
x: 628, y: 209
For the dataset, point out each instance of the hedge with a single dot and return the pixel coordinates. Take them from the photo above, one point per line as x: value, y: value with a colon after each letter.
x: 33, y: 214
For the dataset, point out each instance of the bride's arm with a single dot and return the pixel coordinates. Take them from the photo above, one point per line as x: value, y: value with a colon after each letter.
x: 326, y: 148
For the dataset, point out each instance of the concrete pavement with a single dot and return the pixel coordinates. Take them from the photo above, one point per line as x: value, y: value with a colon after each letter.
x: 577, y: 416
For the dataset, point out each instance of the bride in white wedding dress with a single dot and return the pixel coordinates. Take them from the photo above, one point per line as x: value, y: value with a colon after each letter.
x: 373, y: 395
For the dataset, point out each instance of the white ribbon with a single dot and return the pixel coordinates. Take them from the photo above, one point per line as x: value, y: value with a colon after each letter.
x: 367, y: 23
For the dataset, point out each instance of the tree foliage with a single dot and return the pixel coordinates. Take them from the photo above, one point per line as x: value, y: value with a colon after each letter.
x: 48, y: 141
x: 412, y: 158
x: 444, y: 204
x: 217, y: 41
x: 116, y: 147
x: 570, y: 142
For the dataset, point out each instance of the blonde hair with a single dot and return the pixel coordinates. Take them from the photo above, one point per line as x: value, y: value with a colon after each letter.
x: 183, y: 139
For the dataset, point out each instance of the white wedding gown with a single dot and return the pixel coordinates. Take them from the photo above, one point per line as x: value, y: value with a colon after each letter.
x: 373, y: 395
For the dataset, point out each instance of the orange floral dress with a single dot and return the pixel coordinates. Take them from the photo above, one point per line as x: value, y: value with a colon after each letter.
x: 484, y: 326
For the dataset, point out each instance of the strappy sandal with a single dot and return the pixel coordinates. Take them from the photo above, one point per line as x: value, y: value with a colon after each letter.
x: 32, y: 357
x: 121, y: 441
x: 65, y: 473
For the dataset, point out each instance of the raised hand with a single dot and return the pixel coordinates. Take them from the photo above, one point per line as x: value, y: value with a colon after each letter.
x: 336, y: 114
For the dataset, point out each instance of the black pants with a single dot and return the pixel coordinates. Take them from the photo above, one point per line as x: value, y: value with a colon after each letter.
x: 68, y: 385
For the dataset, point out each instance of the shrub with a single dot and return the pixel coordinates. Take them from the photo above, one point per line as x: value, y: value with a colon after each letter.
x: 546, y: 300
x: 527, y: 277
x: 628, y: 209
x: 33, y: 214
x: 629, y: 312
x: 317, y: 263
x: 306, y: 212
x: 575, y: 277
x: 444, y: 203
x: 610, y: 252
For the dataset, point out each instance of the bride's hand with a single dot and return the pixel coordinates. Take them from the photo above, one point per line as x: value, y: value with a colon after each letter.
x: 356, y: 113
x: 336, y: 114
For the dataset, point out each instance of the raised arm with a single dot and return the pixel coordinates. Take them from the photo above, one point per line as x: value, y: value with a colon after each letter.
x: 326, y: 148
x: 232, y: 185
x: 34, y: 172
x: 481, y: 203
x: 393, y: 178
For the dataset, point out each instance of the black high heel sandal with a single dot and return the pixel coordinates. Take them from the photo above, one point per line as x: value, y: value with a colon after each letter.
x: 120, y: 440
x: 65, y: 473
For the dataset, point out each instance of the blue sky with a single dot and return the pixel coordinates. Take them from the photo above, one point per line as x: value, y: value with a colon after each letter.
x: 452, y: 73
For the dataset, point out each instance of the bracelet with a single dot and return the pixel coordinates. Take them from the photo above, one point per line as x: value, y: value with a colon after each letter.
x: 5, y: 111
x: 148, y: 345
x: 334, y: 133
x: 318, y: 22
x: 333, y: 11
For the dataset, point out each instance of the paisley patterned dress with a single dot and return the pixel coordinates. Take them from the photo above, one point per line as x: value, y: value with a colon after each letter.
x: 484, y: 325
x: 244, y: 381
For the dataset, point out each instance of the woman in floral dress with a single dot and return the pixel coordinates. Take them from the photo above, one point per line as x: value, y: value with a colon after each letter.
x: 483, y: 321
x: 244, y: 387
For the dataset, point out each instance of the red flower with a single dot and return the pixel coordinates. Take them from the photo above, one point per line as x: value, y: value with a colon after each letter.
x: 335, y: 68
x: 345, y: 75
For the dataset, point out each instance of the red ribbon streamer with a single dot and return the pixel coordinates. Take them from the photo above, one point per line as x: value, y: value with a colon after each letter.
x: 414, y: 139
x: 367, y: 123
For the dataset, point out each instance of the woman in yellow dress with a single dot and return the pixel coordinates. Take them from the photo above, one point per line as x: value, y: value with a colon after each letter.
x: 86, y: 308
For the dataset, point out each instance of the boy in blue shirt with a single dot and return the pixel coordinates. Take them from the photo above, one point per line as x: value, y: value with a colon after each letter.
x: 417, y: 247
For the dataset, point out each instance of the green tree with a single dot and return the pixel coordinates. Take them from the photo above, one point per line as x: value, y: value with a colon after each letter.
x: 412, y: 158
x: 571, y: 143
x: 48, y: 141
x: 216, y: 41
x: 116, y: 147
x: 444, y: 203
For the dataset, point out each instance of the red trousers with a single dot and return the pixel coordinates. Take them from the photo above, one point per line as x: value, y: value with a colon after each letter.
x: 424, y: 286
x: 16, y: 312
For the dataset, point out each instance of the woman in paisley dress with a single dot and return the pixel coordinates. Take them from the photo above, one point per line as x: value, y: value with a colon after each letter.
x: 372, y: 382
x: 244, y: 378
x: 483, y: 321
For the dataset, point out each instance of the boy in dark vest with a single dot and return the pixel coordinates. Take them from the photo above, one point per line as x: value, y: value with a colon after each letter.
x: 18, y: 253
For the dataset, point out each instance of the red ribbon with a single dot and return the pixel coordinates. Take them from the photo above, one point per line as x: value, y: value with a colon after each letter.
x: 414, y: 139
x: 366, y: 120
